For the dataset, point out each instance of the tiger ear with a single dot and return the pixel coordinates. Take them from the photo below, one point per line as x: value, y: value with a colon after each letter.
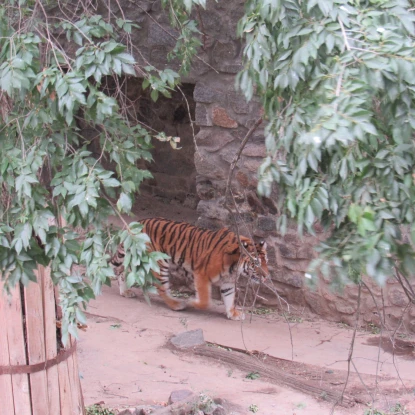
x: 263, y: 245
x: 245, y: 244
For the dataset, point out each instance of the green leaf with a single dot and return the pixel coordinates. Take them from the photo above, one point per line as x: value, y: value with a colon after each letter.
x: 124, y: 203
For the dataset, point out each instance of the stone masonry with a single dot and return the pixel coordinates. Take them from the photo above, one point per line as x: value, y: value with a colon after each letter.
x: 222, y: 118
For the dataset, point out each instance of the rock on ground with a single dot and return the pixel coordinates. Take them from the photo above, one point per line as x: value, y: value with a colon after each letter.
x: 188, y: 339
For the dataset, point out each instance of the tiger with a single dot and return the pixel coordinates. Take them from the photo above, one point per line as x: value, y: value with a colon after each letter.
x: 212, y: 257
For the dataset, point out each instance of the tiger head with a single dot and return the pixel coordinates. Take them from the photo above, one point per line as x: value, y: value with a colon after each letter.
x: 254, y: 266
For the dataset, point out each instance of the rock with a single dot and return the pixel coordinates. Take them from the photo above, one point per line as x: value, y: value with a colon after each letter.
x: 242, y: 179
x: 299, y: 265
x: 238, y: 103
x: 158, y: 54
x: 179, y: 395
x: 210, y: 209
x: 412, y: 326
x: 208, y: 223
x: 202, y: 116
x: 294, y: 279
x: 233, y: 68
x: 128, y: 411
x: 267, y: 224
x: 345, y: 308
x: 203, y: 93
x: 255, y: 203
x: 316, y: 303
x: 221, y: 118
x: 254, y: 150
x: 397, y: 297
x: 161, y: 36
x: 305, y: 252
x: 213, y: 140
x: 292, y: 239
x: 206, y: 167
x: 205, y: 190
x: 225, y: 53
x: 220, y: 410
x: 287, y: 251
x: 228, y: 153
x: 252, y: 163
x: 272, y: 256
x: 188, y: 339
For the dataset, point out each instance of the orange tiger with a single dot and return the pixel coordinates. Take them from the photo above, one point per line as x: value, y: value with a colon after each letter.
x: 213, y: 257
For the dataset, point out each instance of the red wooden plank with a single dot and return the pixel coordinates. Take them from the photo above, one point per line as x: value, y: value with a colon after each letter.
x: 65, y: 389
x: 17, y: 352
x: 74, y: 382
x: 6, y: 387
x: 36, y: 344
x: 49, y: 312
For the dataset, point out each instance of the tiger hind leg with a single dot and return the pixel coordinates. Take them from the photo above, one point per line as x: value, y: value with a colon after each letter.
x: 117, y: 263
x: 124, y: 290
x: 227, y: 291
x: 164, y: 288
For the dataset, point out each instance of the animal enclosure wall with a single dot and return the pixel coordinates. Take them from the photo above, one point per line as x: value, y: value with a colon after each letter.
x: 223, y: 118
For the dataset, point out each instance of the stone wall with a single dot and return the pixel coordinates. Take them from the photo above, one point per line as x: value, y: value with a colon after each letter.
x: 223, y: 118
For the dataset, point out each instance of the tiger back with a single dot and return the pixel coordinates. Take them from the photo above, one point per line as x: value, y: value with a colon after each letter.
x: 212, y: 257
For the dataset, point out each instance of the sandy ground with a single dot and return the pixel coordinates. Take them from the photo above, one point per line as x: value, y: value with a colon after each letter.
x: 124, y: 360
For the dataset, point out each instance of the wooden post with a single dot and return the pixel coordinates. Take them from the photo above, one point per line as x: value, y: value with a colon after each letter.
x: 37, y: 377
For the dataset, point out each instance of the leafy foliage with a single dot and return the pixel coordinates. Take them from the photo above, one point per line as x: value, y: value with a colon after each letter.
x: 335, y: 81
x: 98, y: 410
x: 188, y: 41
x: 52, y: 182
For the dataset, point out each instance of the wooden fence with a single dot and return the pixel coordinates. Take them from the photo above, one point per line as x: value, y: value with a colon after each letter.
x: 37, y: 377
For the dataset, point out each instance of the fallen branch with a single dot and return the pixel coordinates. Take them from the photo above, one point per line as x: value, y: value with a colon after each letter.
x: 243, y: 360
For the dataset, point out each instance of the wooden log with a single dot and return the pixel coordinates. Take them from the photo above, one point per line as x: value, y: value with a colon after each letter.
x: 36, y: 344
x: 6, y: 387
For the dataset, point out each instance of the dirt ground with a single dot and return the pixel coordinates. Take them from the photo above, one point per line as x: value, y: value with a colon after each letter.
x: 125, y: 360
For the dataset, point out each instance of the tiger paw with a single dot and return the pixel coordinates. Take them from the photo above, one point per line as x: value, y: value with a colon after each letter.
x: 128, y: 294
x: 236, y: 315
x: 177, y: 305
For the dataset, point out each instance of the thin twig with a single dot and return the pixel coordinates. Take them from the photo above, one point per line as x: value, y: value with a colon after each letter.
x: 349, y: 359
x: 190, y: 119
x: 346, y: 42
x: 238, y: 154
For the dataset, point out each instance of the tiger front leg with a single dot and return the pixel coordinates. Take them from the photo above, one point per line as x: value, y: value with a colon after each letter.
x: 124, y: 290
x: 227, y: 291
